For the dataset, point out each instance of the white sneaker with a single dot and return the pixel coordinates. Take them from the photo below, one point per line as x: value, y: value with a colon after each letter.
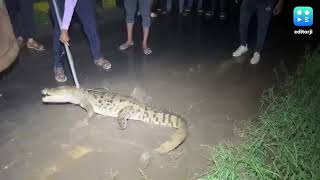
x: 241, y: 50
x: 255, y: 59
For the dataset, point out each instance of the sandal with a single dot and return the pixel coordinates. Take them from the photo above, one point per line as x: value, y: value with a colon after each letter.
x: 32, y: 44
x: 147, y: 51
x: 125, y: 46
x: 59, y: 75
x: 103, y: 63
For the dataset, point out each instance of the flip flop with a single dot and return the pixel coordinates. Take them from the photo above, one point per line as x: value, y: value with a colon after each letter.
x: 35, y: 45
x: 59, y: 75
x: 125, y: 46
x: 147, y: 51
x: 103, y: 63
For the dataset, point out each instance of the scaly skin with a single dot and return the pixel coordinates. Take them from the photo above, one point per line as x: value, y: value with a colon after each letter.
x: 123, y: 108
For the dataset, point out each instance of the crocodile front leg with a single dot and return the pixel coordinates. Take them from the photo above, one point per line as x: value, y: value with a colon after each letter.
x: 74, y: 134
x: 123, y: 116
x: 88, y: 107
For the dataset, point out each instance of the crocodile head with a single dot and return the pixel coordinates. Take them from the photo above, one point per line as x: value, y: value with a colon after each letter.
x: 62, y: 94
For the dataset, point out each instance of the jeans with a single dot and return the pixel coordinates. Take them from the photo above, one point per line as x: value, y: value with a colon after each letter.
x: 144, y: 9
x: 21, y: 16
x: 86, y: 14
x: 263, y: 9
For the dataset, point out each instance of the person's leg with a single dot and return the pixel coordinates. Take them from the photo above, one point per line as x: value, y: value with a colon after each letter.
x: 181, y: 6
x: 163, y: 5
x: 153, y: 13
x: 200, y: 6
x: 12, y: 8
x: 188, y: 7
x: 212, y: 9
x: 189, y: 4
x: 169, y: 5
x: 246, y: 11
x: 13, y: 11
x: 59, y: 53
x: 86, y: 13
x: 264, y: 13
x: 131, y: 8
x: 28, y: 26
x: 154, y: 5
x: 223, y: 5
x: 144, y: 6
x: 223, y: 8
x: 27, y: 18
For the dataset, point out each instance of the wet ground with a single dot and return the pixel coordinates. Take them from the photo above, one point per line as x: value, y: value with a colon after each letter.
x: 191, y: 72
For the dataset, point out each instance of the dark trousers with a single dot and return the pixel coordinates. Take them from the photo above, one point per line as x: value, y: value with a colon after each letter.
x: 190, y: 3
x: 263, y: 9
x: 158, y: 4
x: 166, y: 5
x: 21, y: 16
x: 222, y: 4
x: 86, y: 15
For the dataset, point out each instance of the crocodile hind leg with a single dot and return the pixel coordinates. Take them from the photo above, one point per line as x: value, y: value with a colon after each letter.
x: 123, y: 116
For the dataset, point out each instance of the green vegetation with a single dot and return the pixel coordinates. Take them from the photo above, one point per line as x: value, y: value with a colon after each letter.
x: 41, y: 12
x: 108, y: 4
x: 284, y: 143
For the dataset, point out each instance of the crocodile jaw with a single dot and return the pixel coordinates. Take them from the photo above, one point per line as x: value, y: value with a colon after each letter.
x: 55, y: 99
x: 49, y: 96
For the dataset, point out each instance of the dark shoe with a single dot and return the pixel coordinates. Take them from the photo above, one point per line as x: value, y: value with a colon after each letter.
x: 187, y: 12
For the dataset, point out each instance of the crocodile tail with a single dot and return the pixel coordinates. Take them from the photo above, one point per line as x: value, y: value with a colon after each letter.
x: 176, y: 139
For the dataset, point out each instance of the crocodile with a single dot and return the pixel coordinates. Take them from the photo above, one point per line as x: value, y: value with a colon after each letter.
x: 122, y: 107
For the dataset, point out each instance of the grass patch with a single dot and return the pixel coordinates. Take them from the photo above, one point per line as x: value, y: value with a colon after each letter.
x: 109, y: 4
x: 41, y: 12
x: 284, y: 143
x: 41, y: 17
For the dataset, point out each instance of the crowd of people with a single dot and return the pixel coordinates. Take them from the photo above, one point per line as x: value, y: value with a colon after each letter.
x: 209, y: 8
x: 21, y: 15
